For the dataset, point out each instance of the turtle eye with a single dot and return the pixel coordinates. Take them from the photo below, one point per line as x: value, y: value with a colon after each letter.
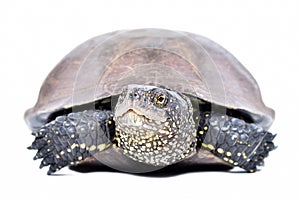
x: 160, y: 100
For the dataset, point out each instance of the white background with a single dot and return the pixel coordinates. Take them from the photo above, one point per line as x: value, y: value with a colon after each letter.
x: 35, y: 35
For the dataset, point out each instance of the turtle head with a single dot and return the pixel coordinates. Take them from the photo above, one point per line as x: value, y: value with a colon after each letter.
x: 154, y: 125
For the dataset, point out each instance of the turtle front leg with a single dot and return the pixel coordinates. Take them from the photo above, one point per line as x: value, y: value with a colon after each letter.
x: 234, y: 141
x: 70, y: 139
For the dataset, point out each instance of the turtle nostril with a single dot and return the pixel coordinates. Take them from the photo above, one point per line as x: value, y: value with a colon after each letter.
x: 130, y: 95
x: 134, y: 95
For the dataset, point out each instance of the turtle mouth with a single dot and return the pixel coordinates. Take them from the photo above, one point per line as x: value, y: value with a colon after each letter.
x: 133, y: 119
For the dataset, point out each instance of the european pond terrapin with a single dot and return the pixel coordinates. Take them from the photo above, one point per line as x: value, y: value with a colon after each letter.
x: 140, y: 100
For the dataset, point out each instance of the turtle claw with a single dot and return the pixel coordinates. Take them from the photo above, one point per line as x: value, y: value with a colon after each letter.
x: 236, y: 142
x: 62, y: 142
x: 38, y: 143
x: 261, y: 153
x: 48, y: 149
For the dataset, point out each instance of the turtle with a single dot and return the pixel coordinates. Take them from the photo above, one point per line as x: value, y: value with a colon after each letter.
x: 140, y: 100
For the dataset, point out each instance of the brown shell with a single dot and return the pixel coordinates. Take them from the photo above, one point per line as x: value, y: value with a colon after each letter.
x: 183, y: 61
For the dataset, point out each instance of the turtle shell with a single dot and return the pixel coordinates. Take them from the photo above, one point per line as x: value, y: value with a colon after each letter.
x: 182, y: 61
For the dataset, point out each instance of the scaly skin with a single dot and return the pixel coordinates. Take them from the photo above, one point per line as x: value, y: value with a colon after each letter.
x: 70, y: 139
x: 233, y: 140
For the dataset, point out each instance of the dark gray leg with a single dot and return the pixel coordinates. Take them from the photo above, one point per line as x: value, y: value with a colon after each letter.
x: 234, y: 141
x: 69, y: 139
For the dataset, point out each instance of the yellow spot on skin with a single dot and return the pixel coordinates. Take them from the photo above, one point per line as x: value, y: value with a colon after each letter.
x: 109, y: 122
x: 194, y: 134
x: 48, y: 150
x: 57, y: 156
x: 205, y: 128
x: 228, y: 153
x: 82, y: 146
x: 143, y: 148
x: 92, y: 148
x: 201, y: 132
x: 204, y: 145
x: 207, y: 115
x: 211, y: 147
x: 226, y: 159
x: 73, y: 146
x: 235, y: 163
x: 101, y: 147
x: 197, y: 117
x: 231, y: 161
x: 80, y: 158
x: 220, y: 150
x: 69, y: 150
x: 238, y: 154
x: 118, y: 141
x: 251, y: 170
x: 62, y: 153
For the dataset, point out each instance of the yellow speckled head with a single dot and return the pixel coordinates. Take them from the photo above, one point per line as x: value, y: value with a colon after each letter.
x: 155, y: 125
